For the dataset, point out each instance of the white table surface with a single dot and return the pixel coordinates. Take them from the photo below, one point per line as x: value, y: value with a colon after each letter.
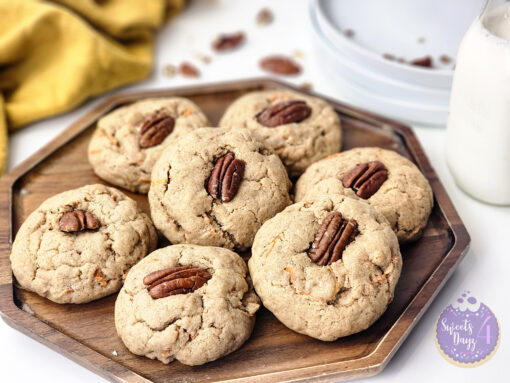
x: 483, y: 271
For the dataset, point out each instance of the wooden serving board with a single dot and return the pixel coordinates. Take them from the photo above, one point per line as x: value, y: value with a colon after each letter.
x: 86, y: 333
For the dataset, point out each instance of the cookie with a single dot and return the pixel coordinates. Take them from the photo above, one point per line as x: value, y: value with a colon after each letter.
x: 301, y: 129
x: 389, y: 182
x: 78, y: 245
x: 327, y: 267
x: 211, y: 316
x: 128, y: 141
x: 216, y: 187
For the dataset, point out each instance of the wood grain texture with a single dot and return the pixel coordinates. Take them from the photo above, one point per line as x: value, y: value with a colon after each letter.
x: 86, y: 333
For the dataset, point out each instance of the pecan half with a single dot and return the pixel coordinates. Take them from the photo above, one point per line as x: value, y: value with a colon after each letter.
x: 228, y: 42
x: 155, y: 128
x: 365, y: 179
x: 175, y: 280
x: 333, y: 236
x: 78, y: 220
x: 279, y: 65
x: 283, y: 113
x: 225, y: 177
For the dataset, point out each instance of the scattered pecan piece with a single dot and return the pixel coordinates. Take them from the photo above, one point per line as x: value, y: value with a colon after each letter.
x: 333, y: 236
x: 188, y: 70
x: 365, y: 179
x: 283, y: 113
x: 280, y: 65
x: 425, y: 62
x: 306, y: 86
x: 155, y: 128
x: 227, y: 42
x: 349, y: 33
x: 78, y: 220
x: 445, y: 59
x: 175, y: 280
x: 265, y: 17
x: 225, y: 177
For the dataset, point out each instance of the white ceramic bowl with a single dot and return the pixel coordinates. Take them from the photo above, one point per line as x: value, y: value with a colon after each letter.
x: 378, y: 83
x: 408, y: 29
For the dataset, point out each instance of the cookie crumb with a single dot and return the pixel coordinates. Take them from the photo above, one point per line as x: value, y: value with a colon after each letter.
x: 169, y: 70
x: 298, y: 54
x: 389, y: 56
x: 264, y: 17
x: 421, y: 40
x: 203, y: 58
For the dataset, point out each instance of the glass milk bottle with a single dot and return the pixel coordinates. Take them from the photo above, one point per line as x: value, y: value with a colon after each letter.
x: 478, y: 132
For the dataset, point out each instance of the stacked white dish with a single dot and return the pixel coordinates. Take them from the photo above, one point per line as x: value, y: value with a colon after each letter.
x: 352, y: 38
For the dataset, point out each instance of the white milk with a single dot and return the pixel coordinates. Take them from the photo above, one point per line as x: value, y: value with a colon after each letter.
x: 478, y: 134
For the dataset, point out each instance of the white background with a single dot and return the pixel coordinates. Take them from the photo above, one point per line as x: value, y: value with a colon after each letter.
x: 484, y: 271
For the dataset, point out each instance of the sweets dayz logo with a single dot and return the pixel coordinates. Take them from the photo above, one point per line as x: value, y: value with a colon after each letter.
x: 467, y: 332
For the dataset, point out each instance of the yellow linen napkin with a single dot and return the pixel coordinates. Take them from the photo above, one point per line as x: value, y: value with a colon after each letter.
x: 54, y: 55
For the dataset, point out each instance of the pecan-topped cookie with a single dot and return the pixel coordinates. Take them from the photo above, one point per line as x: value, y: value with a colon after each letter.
x: 186, y: 302
x: 217, y: 187
x: 326, y: 267
x: 128, y: 141
x: 79, y: 244
x: 301, y: 129
x: 389, y: 182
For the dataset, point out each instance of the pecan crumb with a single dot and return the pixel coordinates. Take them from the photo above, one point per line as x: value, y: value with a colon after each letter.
x: 227, y: 42
x: 349, y: 33
x: 425, y: 62
x: 188, y: 70
x: 308, y: 86
x: 445, y: 59
x: 264, y: 17
x: 280, y: 65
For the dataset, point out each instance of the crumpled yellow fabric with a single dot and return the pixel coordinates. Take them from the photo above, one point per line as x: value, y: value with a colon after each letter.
x: 55, y: 54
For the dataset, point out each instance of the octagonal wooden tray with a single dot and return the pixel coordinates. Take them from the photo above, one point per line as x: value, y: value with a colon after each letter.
x: 86, y: 333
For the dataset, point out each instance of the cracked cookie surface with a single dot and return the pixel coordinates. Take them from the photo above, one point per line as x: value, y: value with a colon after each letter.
x: 82, y: 266
x: 298, y: 144
x: 193, y: 328
x: 185, y: 212
x: 115, y: 152
x: 405, y: 198
x: 325, y: 302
